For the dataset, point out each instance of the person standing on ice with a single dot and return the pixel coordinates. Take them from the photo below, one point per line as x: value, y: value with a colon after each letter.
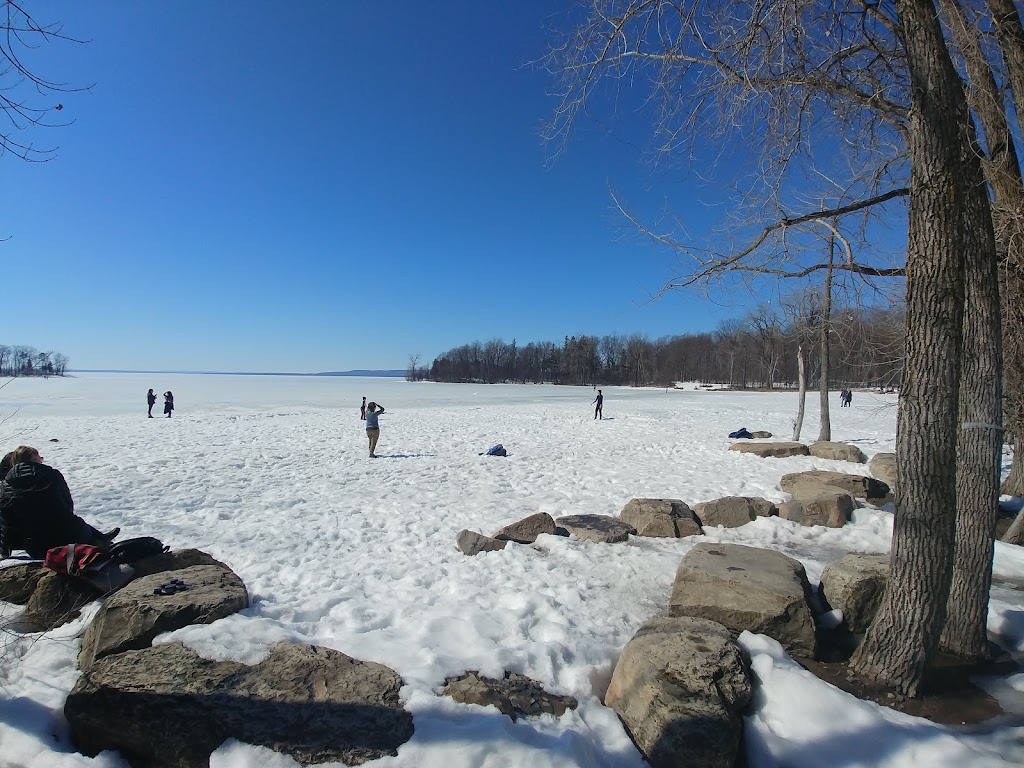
x: 151, y: 400
x: 168, y: 403
x: 372, y: 427
x: 362, y: 410
x: 599, y: 407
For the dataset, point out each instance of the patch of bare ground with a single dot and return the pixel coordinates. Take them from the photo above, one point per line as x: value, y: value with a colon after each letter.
x: 949, y: 696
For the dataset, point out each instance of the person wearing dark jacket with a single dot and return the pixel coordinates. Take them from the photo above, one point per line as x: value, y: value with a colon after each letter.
x: 168, y: 403
x: 151, y: 399
x: 37, y: 512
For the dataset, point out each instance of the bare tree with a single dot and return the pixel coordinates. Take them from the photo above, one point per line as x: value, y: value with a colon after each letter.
x: 27, y: 99
x: 878, y: 80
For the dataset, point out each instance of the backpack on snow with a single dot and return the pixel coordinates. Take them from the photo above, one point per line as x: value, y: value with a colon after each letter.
x: 741, y: 433
x: 498, y: 450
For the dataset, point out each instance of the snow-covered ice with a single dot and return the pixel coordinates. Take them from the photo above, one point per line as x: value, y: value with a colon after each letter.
x: 270, y: 474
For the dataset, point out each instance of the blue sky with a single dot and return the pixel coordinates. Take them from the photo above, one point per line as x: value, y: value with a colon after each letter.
x: 321, y: 186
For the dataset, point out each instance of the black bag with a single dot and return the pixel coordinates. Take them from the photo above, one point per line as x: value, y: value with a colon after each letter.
x: 133, y: 550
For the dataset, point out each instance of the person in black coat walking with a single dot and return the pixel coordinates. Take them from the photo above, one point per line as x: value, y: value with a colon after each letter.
x: 37, y: 512
x: 168, y: 403
x: 151, y: 401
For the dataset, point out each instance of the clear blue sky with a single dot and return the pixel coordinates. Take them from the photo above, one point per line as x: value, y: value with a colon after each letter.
x: 320, y: 186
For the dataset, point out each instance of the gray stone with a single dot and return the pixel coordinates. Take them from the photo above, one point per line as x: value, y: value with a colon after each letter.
x: 858, y: 486
x: 601, y: 528
x: 855, y: 585
x: 778, y: 450
x: 761, y: 435
x: 56, y: 600
x: 665, y: 518
x: 734, y: 511
x: 824, y: 449
x: 747, y: 588
x: 131, y: 618
x: 18, y: 582
x: 165, y: 707
x: 883, y: 466
x: 174, y: 560
x: 473, y: 543
x: 515, y: 695
x: 680, y: 687
x: 528, y: 529
x: 822, y: 505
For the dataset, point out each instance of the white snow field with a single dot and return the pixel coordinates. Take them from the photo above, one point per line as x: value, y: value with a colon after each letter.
x: 271, y: 475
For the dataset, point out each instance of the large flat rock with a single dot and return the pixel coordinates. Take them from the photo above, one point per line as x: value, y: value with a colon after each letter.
x: 778, y: 450
x: 165, y: 707
x: 747, y: 588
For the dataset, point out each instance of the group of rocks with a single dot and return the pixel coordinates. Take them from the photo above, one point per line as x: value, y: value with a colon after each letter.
x: 680, y: 685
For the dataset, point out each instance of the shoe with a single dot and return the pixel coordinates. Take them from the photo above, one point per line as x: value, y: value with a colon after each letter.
x: 373, y: 455
x: 111, y: 535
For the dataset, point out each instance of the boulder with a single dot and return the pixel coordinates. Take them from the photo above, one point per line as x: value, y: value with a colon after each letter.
x: 665, y: 518
x: 761, y: 435
x: 165, y: 707
x: 601, y: 528
x: 855, y: 585
x: 174, y: 560
x: 883, y: 466
x: 18, y: 582
x: 528, y: 529
x: 821, y: 505
x: 734, y: 511
x: 680, y: 687
x: 515, y: 695
x: 777, y: 450
x: 747, y: 588
x: 858, y: 486
x: 824, y: 449
x: 131, y: 618
x: 473, y: 543
x: 56, y: 600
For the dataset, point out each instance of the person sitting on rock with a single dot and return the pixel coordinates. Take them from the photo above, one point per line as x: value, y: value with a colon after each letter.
x: 37, y: 512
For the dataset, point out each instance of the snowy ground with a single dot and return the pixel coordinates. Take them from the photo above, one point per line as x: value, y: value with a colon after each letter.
x: 271, y: 475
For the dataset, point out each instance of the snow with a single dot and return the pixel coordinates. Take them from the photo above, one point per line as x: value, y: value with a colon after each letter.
x: 270, y: 474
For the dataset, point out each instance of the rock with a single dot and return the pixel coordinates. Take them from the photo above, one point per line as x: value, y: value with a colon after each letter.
x: 761, y: 435
x: 57, y: 599
x: 473, y: 543
x: 777, y: 450
x: 602, y: 528
x: 131, y: 618
x: 18, y: 582
x: 855, y: 585
x: 680, y: 687
x: 747, y: 588
x: 883, y: 466
x: 734, y: 511
x: 515, y: 696
x: 824, y: 449
x: 174, y: 560
x: 665, y: 518
x: 165, y: 707
x: 528, y: 529
x: 859, y: 486
x: 824, y: 505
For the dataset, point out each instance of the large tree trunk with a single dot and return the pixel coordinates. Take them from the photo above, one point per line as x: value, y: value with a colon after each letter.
x: 905, y: 633
x: 980, y: 440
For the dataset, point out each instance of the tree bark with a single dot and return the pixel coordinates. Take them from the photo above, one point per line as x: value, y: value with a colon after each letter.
x: 980, y: 439
x: 905, y: 633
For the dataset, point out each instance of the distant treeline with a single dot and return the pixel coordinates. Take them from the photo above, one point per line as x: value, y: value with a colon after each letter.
x: 28, y: 361
x: 761, y: 350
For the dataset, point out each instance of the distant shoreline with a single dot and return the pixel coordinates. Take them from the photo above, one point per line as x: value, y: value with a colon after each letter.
x: 364, y: 373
